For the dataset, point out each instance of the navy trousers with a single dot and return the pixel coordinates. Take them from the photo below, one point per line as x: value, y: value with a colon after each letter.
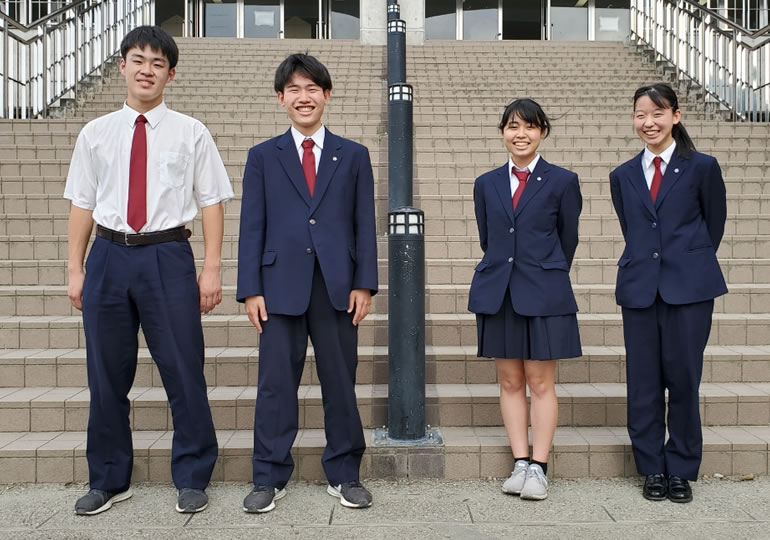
x: 664, y: 351
x: 282, y: 348
x: 154, y: 286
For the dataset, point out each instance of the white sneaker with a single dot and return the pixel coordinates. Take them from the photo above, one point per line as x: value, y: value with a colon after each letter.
x: 535, y: 485
x: 514, y: 483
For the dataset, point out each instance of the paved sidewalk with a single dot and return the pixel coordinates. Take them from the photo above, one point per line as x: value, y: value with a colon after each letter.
x: 424, y: 510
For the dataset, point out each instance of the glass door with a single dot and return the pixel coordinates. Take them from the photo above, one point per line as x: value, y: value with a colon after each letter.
x: 220, y: 18
x: 523, y: 19
x: 569, y: 20
x: 344, y: 19
x: 302, y: 19
x: 262, y: 19
x: 480, y: 20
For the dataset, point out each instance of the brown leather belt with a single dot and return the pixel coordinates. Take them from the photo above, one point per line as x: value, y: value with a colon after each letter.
x: 177, y: 234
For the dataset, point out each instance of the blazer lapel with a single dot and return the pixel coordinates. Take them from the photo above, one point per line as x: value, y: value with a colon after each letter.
x: 536, y: 180
x: 330, y: 158
x: 289, y: 160
x: 635, y: 175
x: 674, y: 171
x: 503, y: 186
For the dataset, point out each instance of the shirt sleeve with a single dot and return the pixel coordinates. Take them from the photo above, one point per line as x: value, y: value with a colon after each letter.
x: 81, y: 179
x: 211, y: 182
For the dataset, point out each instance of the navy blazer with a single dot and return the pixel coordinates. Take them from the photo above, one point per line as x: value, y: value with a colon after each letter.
x: 283, y: 229
x: 671, y: 245
x: 530, y: 250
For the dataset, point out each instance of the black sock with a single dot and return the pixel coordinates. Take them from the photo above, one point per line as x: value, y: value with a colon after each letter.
x: 515, y: 459
x: 543, y: 466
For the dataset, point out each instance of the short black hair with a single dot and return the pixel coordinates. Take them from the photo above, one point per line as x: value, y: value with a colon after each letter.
x: 306, y: 65
x: 529, y: 111
x: 154, y: 36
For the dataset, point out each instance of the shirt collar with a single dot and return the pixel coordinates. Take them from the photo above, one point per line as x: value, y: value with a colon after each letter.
x: 648, y: 156
x: 153, y: 116
x: 318, y: 137
x: 530, y: 167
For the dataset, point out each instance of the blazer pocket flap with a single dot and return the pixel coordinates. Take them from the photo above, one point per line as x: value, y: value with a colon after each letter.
x: 700, y: 246
x: 268, y: 258
x: 554, y: 265
x: 624, y: 261
x: 481, y: 266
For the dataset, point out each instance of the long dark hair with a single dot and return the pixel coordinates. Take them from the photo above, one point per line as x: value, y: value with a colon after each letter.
x: 662, y: 95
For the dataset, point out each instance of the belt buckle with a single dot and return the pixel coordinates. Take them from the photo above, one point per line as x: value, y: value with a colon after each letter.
x: 126, y: 240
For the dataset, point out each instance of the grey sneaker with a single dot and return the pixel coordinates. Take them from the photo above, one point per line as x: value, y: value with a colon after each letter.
x: 262, y: 499
x: 191, y: 500
x: 536, y: 484
x: 97, y: 501
x: 514, y: 483
x: 351, y: 494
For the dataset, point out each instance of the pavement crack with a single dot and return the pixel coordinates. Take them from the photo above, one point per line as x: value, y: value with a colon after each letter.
x: 331, y: 514
x: 189, y: 519
x: 470, y: 514
x: 46, y: 520
x: 610, y: 515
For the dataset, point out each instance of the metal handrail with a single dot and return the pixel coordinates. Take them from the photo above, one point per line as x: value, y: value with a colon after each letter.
x: 46, y: 61
x: 730, y: 62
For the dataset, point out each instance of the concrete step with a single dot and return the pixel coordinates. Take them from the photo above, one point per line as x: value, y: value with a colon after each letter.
x: 21, y: 332
x: 602, y: 271
x: 31, y: 300
x: 444, y: 364
x: 477, y: 452
x: 45, y: 409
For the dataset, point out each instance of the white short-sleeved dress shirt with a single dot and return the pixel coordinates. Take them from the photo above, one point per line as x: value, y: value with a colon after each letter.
x: 184, y: 169
x: 513, y: 177
x: 649, y: 167
x: 318, y: 138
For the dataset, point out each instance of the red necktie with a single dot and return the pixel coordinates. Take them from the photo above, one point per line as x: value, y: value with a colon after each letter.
x: 308, y: 164
x: 522, y: 176
x: 137, y: 177
x: 656, y: 178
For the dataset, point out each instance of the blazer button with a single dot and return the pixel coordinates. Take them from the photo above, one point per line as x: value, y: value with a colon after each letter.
x: 511, y: 230
x: 510, y: 259
x: 309, y: 251
x: 655, y: 255
x: 654, y: 225
x: 312, y: 221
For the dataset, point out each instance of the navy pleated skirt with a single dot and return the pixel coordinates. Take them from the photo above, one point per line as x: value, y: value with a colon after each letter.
x: 506, y: 334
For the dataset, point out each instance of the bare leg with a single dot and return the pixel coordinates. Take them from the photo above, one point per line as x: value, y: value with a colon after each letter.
x: 513, y: 403
x: 541, y: 377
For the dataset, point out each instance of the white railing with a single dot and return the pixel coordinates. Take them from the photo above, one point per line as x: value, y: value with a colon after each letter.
x: 46, y: 61
x: 729, y: 62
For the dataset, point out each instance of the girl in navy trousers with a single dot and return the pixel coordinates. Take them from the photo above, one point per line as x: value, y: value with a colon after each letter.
x: 527, y: 213
x: 672, y: 207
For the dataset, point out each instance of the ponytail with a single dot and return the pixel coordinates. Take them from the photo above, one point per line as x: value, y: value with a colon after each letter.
x: 664, y: 96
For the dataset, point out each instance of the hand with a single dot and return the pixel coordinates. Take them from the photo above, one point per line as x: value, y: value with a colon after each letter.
x: 210, y: 286
x: 75, y: 289
x: 255, y: 309
x: 361, y: 301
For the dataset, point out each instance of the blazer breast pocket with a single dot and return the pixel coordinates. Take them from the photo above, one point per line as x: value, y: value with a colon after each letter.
x: 173, y: 166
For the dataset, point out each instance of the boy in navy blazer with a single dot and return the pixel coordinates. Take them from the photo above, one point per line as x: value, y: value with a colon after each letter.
x: 672, y: 208
x: 307, y: 267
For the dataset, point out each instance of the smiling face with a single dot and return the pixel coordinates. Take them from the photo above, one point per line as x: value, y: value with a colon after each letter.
x: 304, y: 101
x: 654, y: 124
x: 146, y: 72
x: 522, y: 140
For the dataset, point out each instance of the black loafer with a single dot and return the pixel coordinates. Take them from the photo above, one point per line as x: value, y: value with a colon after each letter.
x: 679, y: 490
x: 655, y: 487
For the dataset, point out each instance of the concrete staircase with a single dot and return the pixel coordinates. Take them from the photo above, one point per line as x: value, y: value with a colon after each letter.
x: 460, y: 89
